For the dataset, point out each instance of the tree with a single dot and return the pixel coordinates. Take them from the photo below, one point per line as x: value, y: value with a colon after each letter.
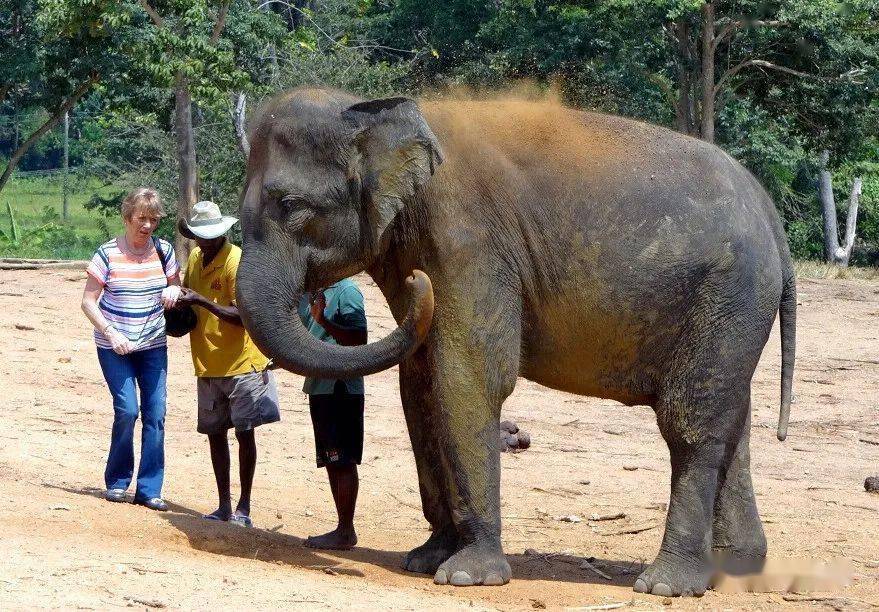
x: 186, y: 49
x: 833, y: 252
x: 55, y: 52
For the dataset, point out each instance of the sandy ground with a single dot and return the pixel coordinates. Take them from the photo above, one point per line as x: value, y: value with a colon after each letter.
x: 63, y: 546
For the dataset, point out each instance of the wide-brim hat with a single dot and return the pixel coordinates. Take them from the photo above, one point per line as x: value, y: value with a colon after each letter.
x: 206, y: 221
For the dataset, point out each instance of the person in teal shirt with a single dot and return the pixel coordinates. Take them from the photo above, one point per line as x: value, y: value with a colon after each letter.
x: 337, y: 315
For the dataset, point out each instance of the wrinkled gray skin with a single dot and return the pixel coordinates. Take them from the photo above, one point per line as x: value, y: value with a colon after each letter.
x: 588, y: 253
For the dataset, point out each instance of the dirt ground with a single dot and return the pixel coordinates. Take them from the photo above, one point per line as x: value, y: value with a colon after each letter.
x: 63, y: 546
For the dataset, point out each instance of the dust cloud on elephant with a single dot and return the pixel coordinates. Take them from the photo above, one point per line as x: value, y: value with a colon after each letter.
x: 586, y: 252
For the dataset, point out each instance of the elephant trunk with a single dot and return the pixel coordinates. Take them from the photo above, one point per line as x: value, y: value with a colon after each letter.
x: 268, y: 294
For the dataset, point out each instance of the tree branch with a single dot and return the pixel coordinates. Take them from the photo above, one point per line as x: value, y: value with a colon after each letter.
x: 4, y: 89
x: 851, y: 74
x: 220, y: 23
x: 156, y: 18
x: 736, y: 24
x: 50, y: 123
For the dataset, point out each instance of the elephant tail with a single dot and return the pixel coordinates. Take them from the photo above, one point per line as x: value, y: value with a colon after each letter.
x: 788, y: 323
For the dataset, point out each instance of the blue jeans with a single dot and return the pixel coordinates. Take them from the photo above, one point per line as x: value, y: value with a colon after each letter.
x: 148, y: 369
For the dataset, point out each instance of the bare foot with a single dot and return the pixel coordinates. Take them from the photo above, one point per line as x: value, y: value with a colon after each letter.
x: 337, y: 539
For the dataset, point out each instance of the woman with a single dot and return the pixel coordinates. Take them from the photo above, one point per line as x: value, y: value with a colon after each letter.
x: 129, y: 283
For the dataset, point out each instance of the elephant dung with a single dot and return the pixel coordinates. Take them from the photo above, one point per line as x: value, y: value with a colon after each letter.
x: 509, y: 426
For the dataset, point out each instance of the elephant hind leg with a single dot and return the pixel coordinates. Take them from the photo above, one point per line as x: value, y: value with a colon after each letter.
x: 683, y: 565
x: 701, y: 411
x: 738, y: 542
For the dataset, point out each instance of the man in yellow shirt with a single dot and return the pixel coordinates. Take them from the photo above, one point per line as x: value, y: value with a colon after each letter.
x: 234, y: 387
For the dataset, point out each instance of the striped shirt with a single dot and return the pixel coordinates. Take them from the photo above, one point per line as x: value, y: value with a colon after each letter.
x: 131, y: 300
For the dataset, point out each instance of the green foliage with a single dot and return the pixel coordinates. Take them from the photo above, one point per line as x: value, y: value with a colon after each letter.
x: 12, y: 235
x: 817, y: 87
x: 34, y: 205
x: 50, y: 236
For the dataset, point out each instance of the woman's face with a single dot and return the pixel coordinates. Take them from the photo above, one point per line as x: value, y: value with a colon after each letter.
x: 141, y: 225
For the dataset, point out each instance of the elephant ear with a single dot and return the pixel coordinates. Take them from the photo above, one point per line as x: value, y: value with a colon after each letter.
x: 398, y: 153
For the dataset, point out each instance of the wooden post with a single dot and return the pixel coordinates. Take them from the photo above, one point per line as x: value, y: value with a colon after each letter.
x: 64, y: 203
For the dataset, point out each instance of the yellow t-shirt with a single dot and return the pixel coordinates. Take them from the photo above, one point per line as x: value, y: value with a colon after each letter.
x: 219, y: 348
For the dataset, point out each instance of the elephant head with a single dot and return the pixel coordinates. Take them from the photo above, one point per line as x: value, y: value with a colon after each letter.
x: 326, y: 177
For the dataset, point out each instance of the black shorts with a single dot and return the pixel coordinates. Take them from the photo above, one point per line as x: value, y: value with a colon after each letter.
x: 338, y: 427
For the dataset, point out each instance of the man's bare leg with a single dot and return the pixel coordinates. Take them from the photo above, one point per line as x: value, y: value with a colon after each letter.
x: 246, y: 469
x: 220, y: 462
x: 344, y: 483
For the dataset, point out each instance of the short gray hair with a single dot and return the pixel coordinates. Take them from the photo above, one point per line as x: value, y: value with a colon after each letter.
x: 142, y: 197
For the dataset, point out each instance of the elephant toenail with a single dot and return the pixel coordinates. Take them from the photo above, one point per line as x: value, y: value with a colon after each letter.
x: 493, y: 579
x: 440, y: 577
x: 662, y: 589
x: 461, y: 578
x: 640, y: 586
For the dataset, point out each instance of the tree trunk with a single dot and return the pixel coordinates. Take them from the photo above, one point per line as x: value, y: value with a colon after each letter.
x: 708, y: 71
x: 833, y: 252
x: 851, y: 222
x: 828, y: 208
x: 50, y: 124
x: 238, y: 120
x: 187, y: 179
x: 683, y: 105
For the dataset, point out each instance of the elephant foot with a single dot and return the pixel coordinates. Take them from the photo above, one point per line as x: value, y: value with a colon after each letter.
x: 739, y: 546
x: 671, y: 576
x: 737, y: 562
x: 475, y: 565
x: 426, y: 559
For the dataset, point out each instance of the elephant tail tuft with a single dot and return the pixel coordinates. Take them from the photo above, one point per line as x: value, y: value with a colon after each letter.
x: 788, y: 324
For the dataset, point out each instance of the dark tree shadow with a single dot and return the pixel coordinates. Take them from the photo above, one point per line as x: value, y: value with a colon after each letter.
x: 275, y: 547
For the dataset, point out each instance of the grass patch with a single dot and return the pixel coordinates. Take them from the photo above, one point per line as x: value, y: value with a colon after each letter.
x: 36, y: 203
x: 818, y: 269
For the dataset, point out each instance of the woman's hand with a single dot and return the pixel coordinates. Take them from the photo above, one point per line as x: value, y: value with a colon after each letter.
x: 121, y: 345
x: 170, y: 295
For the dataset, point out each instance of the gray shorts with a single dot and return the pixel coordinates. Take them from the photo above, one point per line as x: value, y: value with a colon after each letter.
x: 244, y: 401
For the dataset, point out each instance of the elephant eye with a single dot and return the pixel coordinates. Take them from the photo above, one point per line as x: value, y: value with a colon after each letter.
x: 291, y: 203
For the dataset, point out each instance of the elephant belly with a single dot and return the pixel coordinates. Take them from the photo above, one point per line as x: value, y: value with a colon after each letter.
x: 599, y: 351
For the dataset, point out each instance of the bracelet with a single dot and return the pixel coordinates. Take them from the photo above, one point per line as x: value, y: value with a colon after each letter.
x: 107, y: 328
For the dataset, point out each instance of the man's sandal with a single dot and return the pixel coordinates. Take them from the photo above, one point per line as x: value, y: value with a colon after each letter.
x: 241, y: 519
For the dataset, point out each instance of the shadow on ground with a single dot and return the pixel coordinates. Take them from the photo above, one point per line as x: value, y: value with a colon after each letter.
x: 273, y: 546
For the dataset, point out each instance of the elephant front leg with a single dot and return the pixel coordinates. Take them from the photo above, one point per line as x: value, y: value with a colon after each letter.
x: 470, y: 387
x: 420, y: 409
x: 470, y: 462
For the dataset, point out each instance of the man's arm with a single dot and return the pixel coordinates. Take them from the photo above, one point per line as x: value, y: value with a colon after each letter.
x: 229, y: 314
x: 345, y: 336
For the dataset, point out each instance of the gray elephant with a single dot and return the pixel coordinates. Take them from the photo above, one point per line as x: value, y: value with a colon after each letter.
x: 586, y: 252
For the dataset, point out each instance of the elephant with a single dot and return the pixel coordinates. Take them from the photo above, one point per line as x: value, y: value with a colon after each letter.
x: 589, y: 253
